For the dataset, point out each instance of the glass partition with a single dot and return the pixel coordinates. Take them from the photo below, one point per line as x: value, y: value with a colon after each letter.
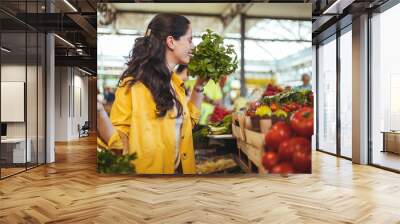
x: 385, y: 89
x: 327, y: 97
x: 22, y: 66
x: 346, y: 94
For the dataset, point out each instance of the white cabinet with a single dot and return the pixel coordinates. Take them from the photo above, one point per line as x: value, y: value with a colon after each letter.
x: 17, y: 148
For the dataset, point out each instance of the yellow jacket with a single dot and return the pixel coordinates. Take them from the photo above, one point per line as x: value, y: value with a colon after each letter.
x: 153, y: 139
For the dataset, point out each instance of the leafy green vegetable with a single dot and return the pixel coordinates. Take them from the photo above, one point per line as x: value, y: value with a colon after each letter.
x: 221, y: 127
x: 200, y: 139
x: 302, y: 97
x: 108, y: 162
x: 212, y: 59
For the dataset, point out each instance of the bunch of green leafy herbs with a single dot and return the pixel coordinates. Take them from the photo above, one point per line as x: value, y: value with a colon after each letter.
x: 211, y: 59
x: 108, y: 162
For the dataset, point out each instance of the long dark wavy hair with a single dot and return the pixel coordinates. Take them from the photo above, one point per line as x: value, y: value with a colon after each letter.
x: 147, y: 62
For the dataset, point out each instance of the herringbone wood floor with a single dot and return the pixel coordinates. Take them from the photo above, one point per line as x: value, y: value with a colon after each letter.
x: 70, y: 191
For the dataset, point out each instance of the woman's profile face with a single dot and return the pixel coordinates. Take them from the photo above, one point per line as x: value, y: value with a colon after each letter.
x: 183, y: 47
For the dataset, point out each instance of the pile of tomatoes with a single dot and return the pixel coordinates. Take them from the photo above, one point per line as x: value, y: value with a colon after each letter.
x: 288, y: 145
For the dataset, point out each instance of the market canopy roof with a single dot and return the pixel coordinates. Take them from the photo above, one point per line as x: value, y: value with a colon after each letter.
x: 273, y: 10
x: 220, y: 17
x: 278, y: 35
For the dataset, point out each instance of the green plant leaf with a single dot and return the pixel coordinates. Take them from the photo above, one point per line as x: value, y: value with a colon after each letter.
x: 212, y: 59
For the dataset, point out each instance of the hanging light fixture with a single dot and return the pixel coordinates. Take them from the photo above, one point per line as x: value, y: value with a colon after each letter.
x: 70, y: 5
x: 5, y: 50
x: 64, y: 40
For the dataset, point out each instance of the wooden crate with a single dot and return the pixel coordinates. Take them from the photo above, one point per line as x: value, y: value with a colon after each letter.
x: 255, y: 139
x: 265, y: 125
x: 237, y: 132
x: 251, y: 144
x: 251, y: 157
x: 238, y: 120
x: 255, y: 154
x: 253, y: 148
x: 248, y: 123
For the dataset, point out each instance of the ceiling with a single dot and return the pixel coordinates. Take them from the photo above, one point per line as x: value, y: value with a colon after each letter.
x: 72, y: 20
x: 274, y: 10
x: 333, y: 15
x: 219, y: 17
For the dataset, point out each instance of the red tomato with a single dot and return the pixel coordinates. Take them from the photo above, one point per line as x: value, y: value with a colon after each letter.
x: 302, y: 161
x: 278, y: 133
x: 284, y: 167
x: 301, y: 157
x: 270, y: 159
x: 302, y: 121
x: 300, y: 144
x: 285, y: 151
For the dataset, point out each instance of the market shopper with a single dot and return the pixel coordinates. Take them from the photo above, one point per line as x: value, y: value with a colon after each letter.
x: 183, y: 72
x: 150, y: 115
x: 305, y: 78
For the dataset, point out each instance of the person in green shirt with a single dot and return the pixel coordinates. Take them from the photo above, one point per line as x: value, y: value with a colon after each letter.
x: 212, y: 97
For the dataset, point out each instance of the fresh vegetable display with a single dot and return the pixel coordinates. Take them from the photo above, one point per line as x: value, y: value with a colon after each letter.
x: 270, y: 159
x: 263, y: 111
x: 288, y: 145
x: 221, y: 127
x: 289, y: 101
x: 302, y: 121
x: 280, y: 107
x: 108, y: 162
x: 219, y: 114
x: 211, y: 59
x: 272, y: 90
x: 280, y: 124
x: 278, y: 133
x: 251, y: 111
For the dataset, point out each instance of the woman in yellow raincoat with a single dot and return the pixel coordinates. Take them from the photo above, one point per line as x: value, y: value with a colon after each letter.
x: 151, y: 115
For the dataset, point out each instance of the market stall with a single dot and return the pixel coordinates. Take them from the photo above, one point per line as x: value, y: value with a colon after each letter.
x: 273, y: 135
x: 240, y: 56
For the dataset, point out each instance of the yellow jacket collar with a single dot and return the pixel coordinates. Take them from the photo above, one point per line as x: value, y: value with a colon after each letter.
x: 177, y: 80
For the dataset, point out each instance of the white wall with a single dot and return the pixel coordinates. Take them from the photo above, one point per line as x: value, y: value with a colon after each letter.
x: 61, y: 103
x: 12, y: 73
x: 71, y: 94
x: 33, y: 127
